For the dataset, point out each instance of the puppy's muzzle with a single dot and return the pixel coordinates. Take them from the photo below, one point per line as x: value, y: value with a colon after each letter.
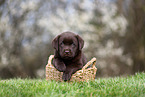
x: 67, y: 52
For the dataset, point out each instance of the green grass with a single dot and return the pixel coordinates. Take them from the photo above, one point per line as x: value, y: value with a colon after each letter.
x: 132, y: 86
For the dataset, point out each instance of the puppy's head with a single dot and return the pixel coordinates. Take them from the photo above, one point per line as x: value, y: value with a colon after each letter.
x: 68, y: 45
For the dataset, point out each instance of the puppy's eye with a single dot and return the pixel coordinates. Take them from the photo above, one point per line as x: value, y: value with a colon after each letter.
x: 73, y: 44
x: 61, y: 43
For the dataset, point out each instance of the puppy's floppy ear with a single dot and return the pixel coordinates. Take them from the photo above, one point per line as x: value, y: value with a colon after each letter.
x: 55, y: 42
x: 80, y: 42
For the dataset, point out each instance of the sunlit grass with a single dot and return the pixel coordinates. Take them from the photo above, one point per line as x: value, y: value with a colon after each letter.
x: 132, y: 86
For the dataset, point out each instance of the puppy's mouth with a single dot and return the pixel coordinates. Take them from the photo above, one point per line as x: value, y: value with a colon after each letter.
x: 67, y: 57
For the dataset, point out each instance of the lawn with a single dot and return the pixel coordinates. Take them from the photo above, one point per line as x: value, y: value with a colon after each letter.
x: 131, y: 86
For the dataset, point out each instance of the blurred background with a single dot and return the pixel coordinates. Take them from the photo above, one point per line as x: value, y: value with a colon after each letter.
x: 113, y: 31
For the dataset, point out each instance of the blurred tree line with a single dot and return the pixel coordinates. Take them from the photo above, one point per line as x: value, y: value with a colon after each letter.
x: 113, y: 31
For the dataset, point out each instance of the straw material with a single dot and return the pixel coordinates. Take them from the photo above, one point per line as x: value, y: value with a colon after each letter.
x: 85, y: 74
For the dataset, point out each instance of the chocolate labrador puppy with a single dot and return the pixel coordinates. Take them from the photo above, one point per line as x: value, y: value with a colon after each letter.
x: 68, y: 57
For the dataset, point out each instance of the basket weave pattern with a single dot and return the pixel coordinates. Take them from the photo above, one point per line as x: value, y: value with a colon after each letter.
x: 84, y: 74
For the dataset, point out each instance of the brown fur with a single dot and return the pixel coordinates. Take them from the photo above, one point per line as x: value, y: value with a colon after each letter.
x: 68, y: 57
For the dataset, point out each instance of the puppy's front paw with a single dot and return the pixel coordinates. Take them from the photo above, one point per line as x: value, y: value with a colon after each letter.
x: 60, y: 68
x: 66, y: 76
x: 59, y: 65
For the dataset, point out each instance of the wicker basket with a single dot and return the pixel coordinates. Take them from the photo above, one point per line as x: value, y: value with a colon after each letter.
x: 85, y: 74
